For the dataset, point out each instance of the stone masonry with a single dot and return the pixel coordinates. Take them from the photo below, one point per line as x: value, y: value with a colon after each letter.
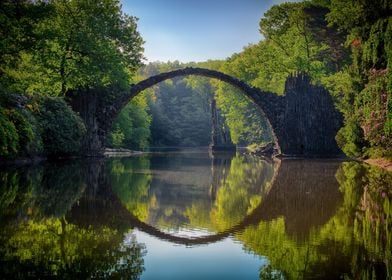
x: 304, y: 121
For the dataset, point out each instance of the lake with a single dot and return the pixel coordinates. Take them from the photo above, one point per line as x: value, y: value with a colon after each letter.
x: 190, y: 215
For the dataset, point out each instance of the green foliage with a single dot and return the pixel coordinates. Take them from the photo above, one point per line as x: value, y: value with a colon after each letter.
x: 297, y: 38
x: 42, y: 125
x: 9, y: 138
x: 30, y: 142
x: 291, y: 38
x: 18, y: 22
x: 116, y: 137
x: 19, y: 132
x: 245, y: 121
x: 350, y: 138
x: 180, y: 116
x: 62, y: 129
x: 131, y: 185
x: 73, y: 44
x: 369, y: 27
x: 131, y: 128
x: 371, y: 108
x: 180, y: 109
x: 50, y: 47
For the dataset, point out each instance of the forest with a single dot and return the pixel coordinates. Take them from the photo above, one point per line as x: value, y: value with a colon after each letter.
x: 49, y: 48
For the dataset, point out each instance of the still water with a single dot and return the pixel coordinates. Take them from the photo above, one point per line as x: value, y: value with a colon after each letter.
x: 187, y: 215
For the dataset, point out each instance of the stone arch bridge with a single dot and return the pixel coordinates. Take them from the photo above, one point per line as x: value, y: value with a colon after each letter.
x: 304, y: 120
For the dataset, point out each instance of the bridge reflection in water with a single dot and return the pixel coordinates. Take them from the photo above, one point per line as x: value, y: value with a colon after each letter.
x: 281, y: 190
x: 302, y: 215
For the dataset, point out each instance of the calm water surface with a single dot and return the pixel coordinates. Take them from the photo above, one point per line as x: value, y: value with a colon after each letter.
x: 187, y: 215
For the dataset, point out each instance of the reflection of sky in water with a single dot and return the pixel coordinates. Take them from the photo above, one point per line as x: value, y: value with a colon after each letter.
x: 189, y: 232
x: 222, y: 260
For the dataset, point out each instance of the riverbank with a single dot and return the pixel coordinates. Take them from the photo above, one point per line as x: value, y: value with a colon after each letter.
x: 380, y: 162
x: 121, y: 152
x: 22, y: 161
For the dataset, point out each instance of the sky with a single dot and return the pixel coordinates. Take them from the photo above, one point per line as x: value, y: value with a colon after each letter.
x: 197, y: 30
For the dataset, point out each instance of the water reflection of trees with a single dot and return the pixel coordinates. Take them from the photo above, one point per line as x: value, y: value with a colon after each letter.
x: 39, y: 241
x: 130, y: 179
x: 40, y: 191
x: 231, y: 190
x: 354, y: 243
x: 319, y: 219
x: 55, y: 248
x: 242, y: 189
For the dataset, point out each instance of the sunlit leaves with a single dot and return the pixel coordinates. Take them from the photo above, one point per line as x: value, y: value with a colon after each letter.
x: 76, y: 44
x: 131, y: 129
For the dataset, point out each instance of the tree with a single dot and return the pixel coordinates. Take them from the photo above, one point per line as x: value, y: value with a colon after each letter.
x: 90, y: 44
x: 78, y: 44
x: 50, y: 47
x: 131, y: 129
x: 368, y: 25
x: 180, y: 108
x: 18, y: 22
x: 61, y: 128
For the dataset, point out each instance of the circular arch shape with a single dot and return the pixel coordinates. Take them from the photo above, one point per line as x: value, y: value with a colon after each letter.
x: 261, y: 212
x: 263, y: 100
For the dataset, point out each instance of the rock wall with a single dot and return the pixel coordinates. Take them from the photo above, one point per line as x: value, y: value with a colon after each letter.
x: 309, y: 122
x: 97, y: 108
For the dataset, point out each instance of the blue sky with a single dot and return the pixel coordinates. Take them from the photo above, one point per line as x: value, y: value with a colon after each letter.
x: 197, y: 30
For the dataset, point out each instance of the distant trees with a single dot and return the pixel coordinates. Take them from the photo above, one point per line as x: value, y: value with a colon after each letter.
x: 180, y: 113
x: 131, y: 128
x: 179, y: 116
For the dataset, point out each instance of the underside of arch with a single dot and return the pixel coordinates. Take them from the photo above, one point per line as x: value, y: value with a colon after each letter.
x: 252, y: 93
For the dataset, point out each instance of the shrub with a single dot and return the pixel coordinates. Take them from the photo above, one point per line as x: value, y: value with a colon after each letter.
x: 9, y: 138
x: 350, y: 139
x: 61, y: 128
x: 20, y: 134
x: 30, y: 142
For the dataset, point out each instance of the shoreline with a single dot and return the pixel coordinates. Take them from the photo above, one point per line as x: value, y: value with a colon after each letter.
x: 383, y: 163
x: 121, y: 152
x: 26, y: 161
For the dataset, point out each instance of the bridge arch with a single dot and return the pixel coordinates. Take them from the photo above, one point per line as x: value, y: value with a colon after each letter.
x: 254, y: 94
